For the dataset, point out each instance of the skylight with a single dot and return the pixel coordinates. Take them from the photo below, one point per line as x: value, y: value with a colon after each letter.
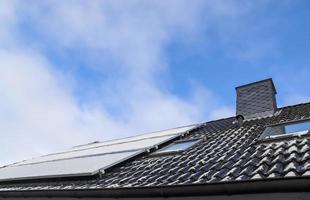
x: 286, y: 129
x: 177, y: 146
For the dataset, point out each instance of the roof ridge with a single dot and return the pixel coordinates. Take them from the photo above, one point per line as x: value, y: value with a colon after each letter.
x: 294, y: 105
x: 221, y: 119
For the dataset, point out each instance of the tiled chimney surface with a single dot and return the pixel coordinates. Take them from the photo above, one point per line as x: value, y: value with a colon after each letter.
x: 256, y: 99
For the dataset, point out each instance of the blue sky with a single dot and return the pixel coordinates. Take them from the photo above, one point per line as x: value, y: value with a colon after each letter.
x: 77, y: 71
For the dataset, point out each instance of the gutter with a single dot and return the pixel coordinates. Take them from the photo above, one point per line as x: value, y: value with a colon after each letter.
x: 301, y: 184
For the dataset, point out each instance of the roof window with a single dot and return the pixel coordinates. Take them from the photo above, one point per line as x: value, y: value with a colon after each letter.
x: 177, y: 146
x: 295, y: 128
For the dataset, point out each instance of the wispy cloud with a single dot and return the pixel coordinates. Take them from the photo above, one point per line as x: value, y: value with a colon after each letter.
x: 125, y: 44
x: 39, y: 110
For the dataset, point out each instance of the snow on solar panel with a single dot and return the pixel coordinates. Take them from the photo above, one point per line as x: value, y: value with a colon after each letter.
x: 88, y: 159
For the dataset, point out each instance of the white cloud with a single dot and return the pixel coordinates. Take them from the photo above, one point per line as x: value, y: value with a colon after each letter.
x: 39, y: 112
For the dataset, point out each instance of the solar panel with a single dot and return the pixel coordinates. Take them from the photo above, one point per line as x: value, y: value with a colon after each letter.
x: 167, y: 132
x: 121, y: 147
x: 83, y: 166
x: 88, y: 159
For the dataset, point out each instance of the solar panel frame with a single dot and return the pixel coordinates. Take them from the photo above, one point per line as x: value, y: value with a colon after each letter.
x: 174, y: 131
x: 66, y: 168
x: 142, y: 144
x: 81, y: 155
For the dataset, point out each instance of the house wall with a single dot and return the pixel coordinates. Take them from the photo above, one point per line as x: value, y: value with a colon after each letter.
x: 262, y: 196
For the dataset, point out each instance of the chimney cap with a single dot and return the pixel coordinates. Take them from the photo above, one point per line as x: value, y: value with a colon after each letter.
x: 253, y: 83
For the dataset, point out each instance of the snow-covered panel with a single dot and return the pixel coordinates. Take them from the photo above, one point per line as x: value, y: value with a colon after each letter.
x: 83, y: 166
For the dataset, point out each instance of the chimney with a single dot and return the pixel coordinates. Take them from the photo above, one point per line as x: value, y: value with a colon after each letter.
x: 256, y: 99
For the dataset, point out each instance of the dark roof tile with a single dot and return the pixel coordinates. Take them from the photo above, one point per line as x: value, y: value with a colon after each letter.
x: 227, y: 153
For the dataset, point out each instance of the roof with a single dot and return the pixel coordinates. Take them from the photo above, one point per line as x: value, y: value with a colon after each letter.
x: 227, y: 154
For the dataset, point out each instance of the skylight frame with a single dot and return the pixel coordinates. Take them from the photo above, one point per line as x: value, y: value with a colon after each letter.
x: 163, y: 151
x: 266, y: 136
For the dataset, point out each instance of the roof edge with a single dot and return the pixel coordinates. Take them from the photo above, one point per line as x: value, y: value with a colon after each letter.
x: 301, y: 184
